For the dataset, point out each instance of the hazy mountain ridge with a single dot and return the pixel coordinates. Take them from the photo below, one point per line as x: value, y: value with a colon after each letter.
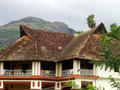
x: 10, y: 32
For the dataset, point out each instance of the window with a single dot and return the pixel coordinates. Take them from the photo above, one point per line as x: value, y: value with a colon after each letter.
x: 85, y: 83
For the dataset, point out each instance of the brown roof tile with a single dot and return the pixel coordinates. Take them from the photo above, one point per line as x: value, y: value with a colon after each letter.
x: 36, y: 45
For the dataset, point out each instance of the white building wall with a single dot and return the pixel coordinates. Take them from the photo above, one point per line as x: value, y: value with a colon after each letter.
x: 99, y: 83
x: 103, y: 81
x: 102, y: 73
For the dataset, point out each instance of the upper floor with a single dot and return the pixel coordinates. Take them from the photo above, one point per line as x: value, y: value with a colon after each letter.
x: 68, y: 68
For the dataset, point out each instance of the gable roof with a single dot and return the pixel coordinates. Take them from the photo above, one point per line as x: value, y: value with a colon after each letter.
x: 53, y: 46
x: 36, y: 45
x: 84, y: 43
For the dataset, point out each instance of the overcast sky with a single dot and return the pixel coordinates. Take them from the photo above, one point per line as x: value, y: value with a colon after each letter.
x: 72, y: 12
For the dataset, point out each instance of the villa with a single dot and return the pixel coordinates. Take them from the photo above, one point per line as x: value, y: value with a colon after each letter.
x: 45, y: 60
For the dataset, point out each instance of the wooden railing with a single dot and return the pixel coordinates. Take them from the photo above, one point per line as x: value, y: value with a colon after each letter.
x: 67, y: 72
x: 17, y: 73
x: 47, y: 73
x: 86, y: 72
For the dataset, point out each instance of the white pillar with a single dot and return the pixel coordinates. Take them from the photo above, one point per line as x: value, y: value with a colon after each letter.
x: 57, y: 69
x: 60, y: 69
x: 33, y: 68
x: 39, y: 68
x: 74, y: 67
x: 78, y: 67
x: 36, y: 65
x: 94, y: 70
x: 1, y: 68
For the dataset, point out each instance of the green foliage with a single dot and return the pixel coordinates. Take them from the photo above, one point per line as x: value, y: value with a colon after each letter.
x: 91, y: 87
x: 1, y: 49
x: 90, y: 21
x: 109, y: 50
x: 114, y: 83
x: 78, y: 32
x: 115, y: 31
x: 74, y: 85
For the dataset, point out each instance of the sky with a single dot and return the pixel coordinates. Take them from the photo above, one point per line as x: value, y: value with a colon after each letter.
x: 71, y: 12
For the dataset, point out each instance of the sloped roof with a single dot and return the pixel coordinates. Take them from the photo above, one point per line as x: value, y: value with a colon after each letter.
x: 53, y: 46
x: 36, y: 45
x: 84, y: 45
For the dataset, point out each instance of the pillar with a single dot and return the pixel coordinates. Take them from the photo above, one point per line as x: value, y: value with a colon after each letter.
x: 60, y: 69
x: 78, y: 67
x: 58, y: 86
x: 57, y: 69
x: 36, y: 85
x: 36, y: 67
x: 1, y: 68
x: 75, y: 67
x: 33, y: 68
x: 1, y: 85
x: 39, y: 68
x: 94, y: 69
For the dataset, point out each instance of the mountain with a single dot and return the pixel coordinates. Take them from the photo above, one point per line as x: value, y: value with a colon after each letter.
x: 10, y: 32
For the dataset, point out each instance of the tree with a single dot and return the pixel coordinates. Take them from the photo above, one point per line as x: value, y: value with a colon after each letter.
x: 78, y: 32
x: 114, y: 31
x: 90, y: 21
x: 110, y: 50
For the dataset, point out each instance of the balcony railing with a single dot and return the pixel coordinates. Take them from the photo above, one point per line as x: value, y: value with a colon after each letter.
x: 67, y: 72
x: 19, y: 73
x: 86, y: 72
x: 47, y: 73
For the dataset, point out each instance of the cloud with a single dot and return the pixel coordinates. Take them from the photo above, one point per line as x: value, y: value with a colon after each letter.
x: 72, y: 12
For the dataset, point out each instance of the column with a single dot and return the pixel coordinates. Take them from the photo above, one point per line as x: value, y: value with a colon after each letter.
x: 39, y: 68
x: 57, y: 69
x: 60, y: 69
x: 33, y: 68
x: 58, y: 86
x: 36, y: 67
x: 36, y: 85
x: 94, y: 69
x: 75, y: 67
x: 1, y: 68
x: 1, y: 85
x: 78, y: 67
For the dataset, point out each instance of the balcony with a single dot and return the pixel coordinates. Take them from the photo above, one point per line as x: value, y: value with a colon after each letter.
x: 68, y: 72
x: 17, y: 73
x: 47, y: 73
x: 86, y: 72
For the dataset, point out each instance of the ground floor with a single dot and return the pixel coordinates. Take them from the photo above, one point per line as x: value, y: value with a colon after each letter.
x: 54, y: 83
x: 100, y: 83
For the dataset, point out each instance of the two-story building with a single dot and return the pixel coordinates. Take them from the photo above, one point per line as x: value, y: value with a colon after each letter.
x: 41, y: 60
